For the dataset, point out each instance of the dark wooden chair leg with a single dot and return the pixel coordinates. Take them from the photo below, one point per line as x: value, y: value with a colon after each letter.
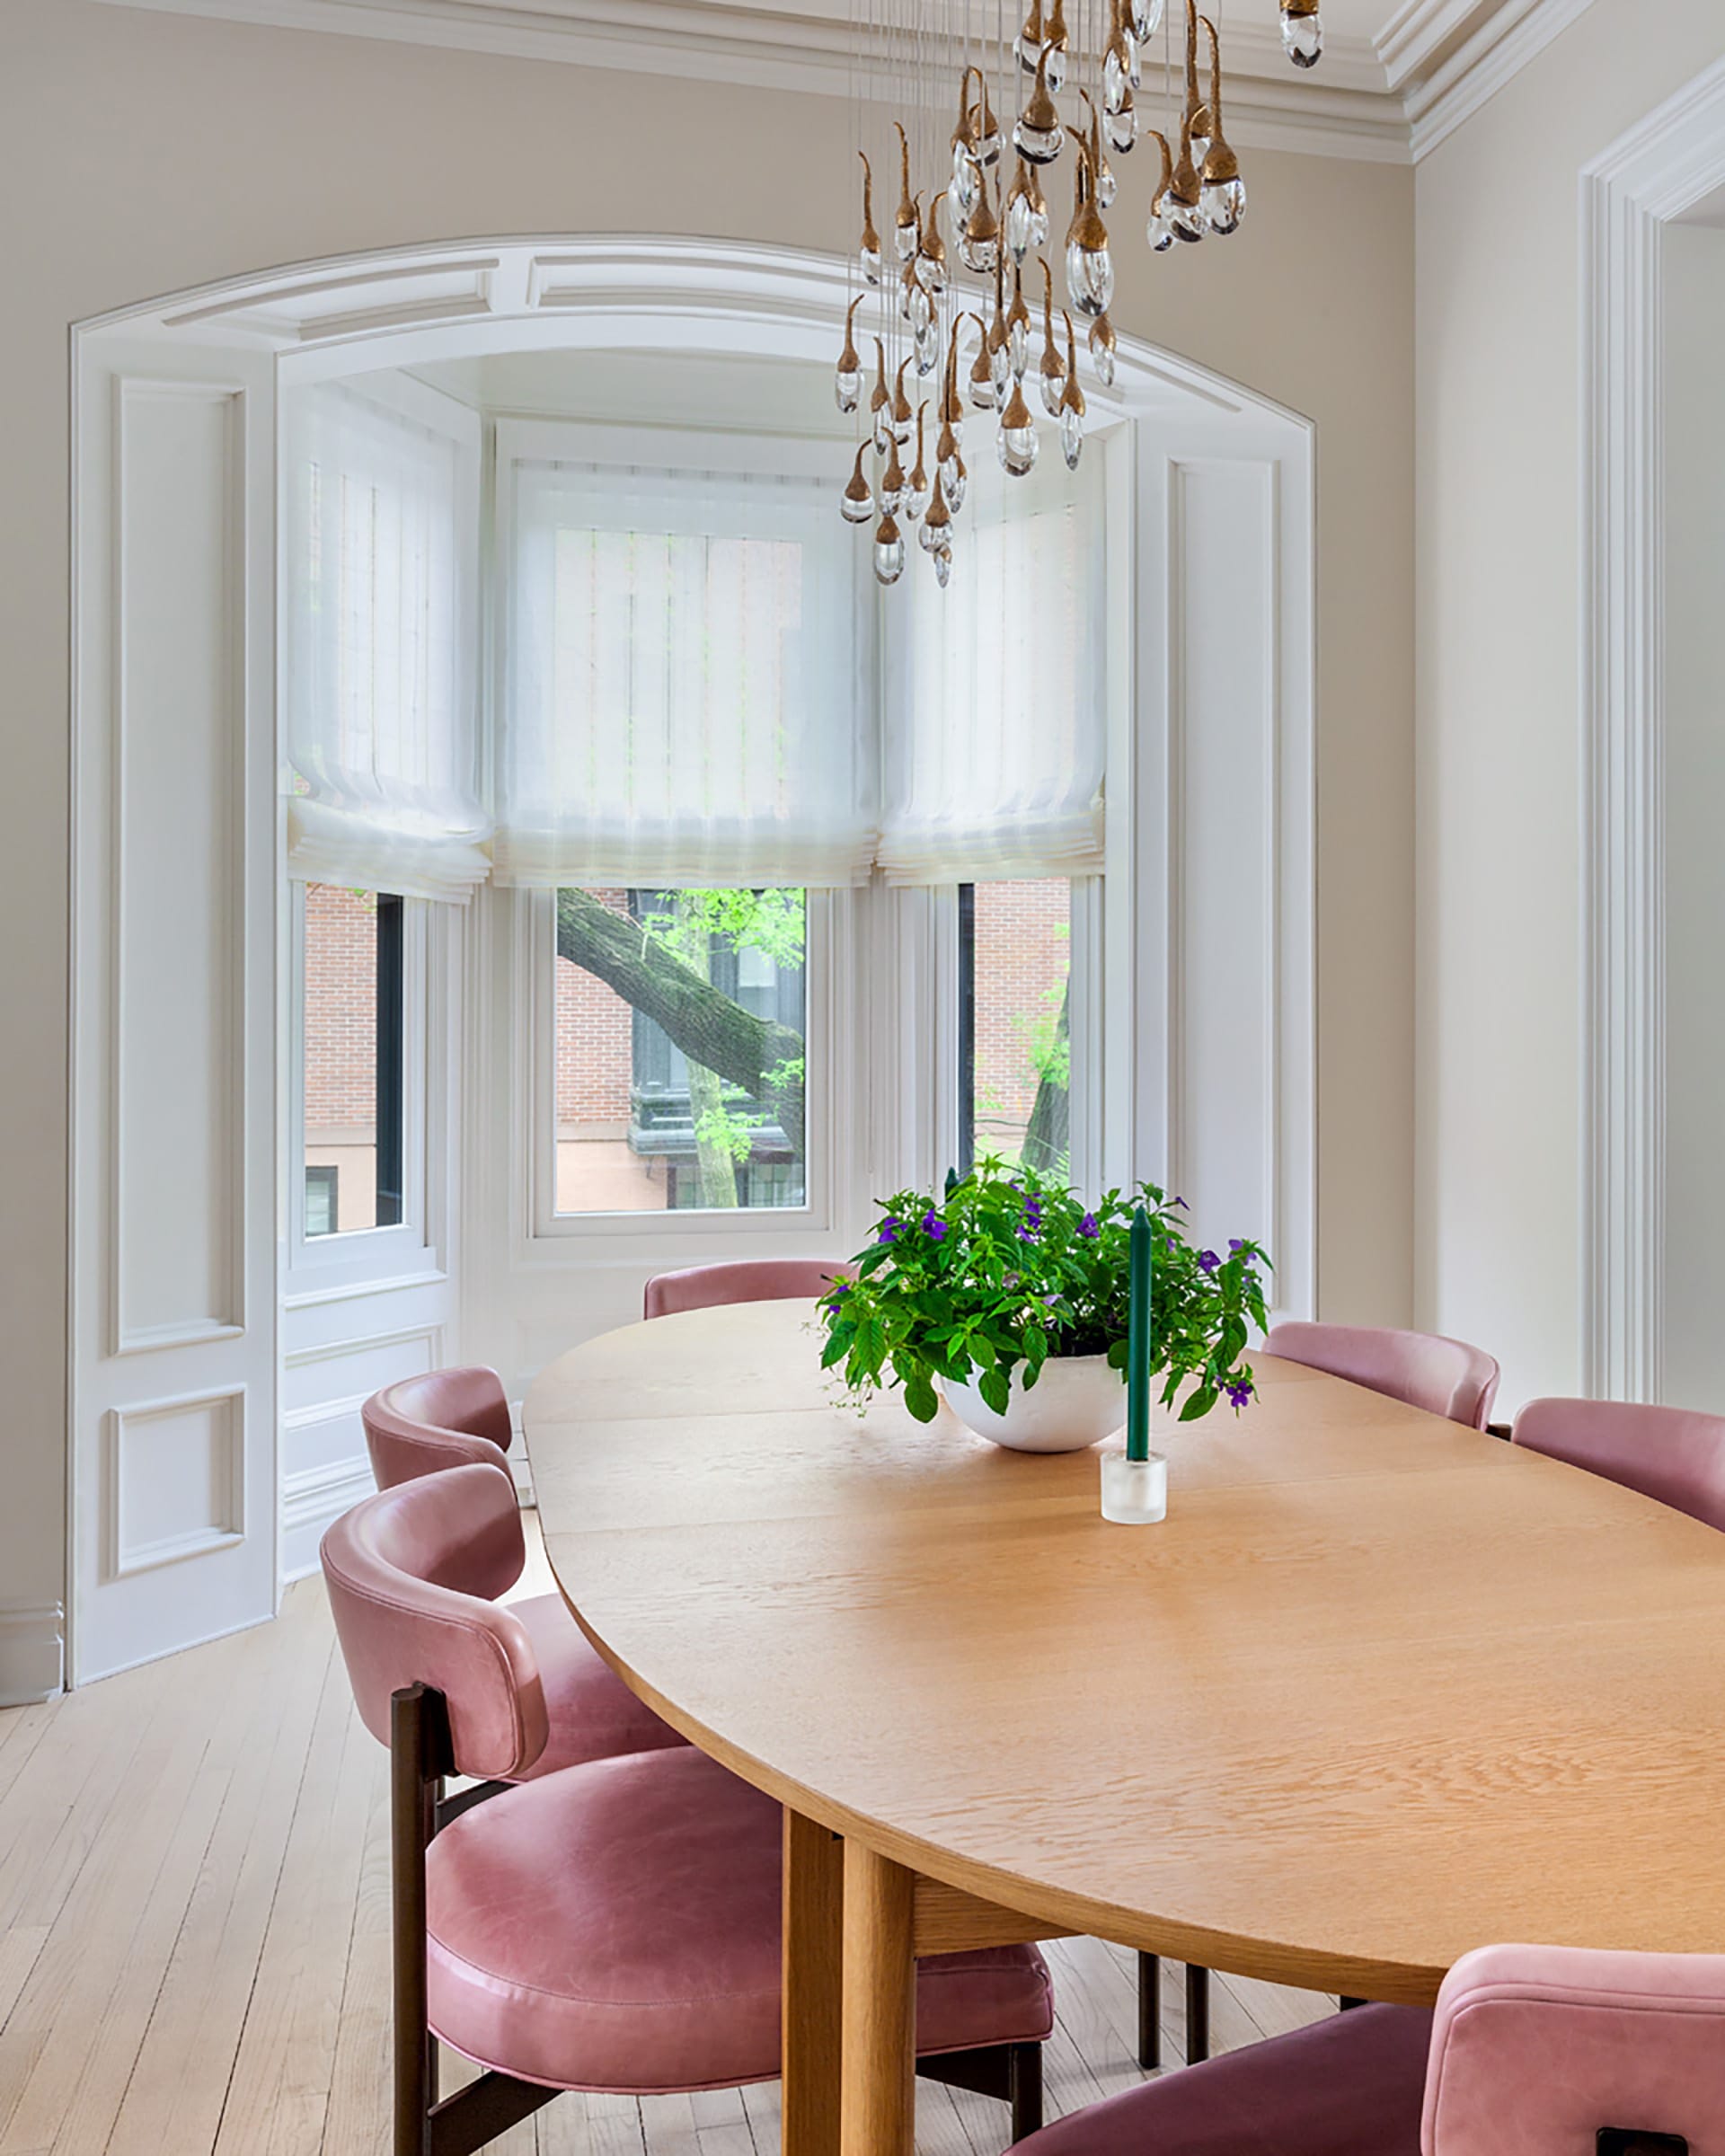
x: 1198, y: 2015
x: 1149, y: 2011
x: 419, y: 1757
x: 1025, y: 2089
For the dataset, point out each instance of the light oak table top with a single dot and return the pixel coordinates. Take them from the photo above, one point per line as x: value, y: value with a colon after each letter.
x: 1379, y: 1690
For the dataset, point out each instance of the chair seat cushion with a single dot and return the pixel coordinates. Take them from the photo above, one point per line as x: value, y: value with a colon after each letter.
x: 1350, y: 2085
x: 615, y: 1928
x: 591, y: 1711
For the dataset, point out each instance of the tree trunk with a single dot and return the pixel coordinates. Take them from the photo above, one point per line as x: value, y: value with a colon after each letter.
x: 1047, y: 1136
x: 710, y: 1029
x: 715, y: 1159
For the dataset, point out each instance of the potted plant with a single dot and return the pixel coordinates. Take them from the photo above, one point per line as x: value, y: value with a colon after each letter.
x: 1009, y: 1293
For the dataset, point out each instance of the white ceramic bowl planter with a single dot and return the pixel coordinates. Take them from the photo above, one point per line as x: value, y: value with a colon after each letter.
x: 1078, y: 1401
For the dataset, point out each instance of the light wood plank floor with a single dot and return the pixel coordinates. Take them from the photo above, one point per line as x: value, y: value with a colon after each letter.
x: 194, y: 1937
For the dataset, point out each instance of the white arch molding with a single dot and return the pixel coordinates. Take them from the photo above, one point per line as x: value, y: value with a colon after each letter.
x: 177, y: 1363
x: 1650, y: 176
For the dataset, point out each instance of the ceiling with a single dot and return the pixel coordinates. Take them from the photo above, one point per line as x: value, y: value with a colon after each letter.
x: 1397, y: 76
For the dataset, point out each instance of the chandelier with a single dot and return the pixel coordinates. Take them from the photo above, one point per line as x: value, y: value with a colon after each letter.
x: 987, y: 206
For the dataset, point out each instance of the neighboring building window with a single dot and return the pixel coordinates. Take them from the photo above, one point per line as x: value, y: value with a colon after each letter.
x: 354, y: 1030
x: 1015, y: 1029
x: 681, y: 1059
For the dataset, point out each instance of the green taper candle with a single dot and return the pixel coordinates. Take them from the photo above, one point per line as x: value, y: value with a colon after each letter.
x: 1138, y: 1342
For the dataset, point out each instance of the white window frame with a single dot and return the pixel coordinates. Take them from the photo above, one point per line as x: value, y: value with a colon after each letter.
x: 829, y: 977
x: 410, y: 1246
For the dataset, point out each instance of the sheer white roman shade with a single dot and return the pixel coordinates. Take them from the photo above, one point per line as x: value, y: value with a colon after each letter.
x: 685, y: 700
x: 381, y: 545
x: 997, y: 733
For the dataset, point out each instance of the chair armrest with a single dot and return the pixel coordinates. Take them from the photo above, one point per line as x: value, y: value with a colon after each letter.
x: 1539, y: 2049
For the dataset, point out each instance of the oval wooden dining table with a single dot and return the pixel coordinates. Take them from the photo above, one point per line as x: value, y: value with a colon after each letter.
x: 1379, y: 1690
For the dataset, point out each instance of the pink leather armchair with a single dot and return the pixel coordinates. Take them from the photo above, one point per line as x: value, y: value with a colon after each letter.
x: 1532, y: 2051
x: 1425, y: 1370
x: 614, y: 1926
x: 444, y: 1418
x: 741, y: 1280
x: 1668, y: 1454
x: 423, y: 1426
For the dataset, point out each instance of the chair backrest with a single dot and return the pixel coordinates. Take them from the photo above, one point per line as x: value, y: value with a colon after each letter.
x: 744, y: 1280
x: 1542, y: 2049
x: 1668, y: 1454
x: 1423, y: 1369
x: 412, y: 1575
x: 419, y: 1425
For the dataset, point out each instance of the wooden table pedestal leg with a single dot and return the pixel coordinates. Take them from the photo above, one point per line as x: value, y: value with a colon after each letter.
x: 879, y: 2105
x: 810, y: 2019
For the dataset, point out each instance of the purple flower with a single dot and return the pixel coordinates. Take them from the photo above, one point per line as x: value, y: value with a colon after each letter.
x: 1207, y: 1261
x: 1184, y: 1207
x: 1238, y: 1395
x: 888, y: 1231
x: 1089, y: 1228
x: 1234, y: 1243
x: 934, y: 1225
x: 1027, y: 1234
x: 835, y: 1307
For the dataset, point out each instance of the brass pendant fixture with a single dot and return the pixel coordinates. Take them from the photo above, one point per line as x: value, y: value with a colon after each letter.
x: 985, y: 216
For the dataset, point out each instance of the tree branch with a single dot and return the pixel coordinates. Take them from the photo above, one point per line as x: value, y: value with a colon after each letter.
x: 711, y: 1029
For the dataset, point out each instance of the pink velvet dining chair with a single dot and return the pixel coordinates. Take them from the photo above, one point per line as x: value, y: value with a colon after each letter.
x: 1423, y: 1369
x: 1532, y: 2051
x: 1672, y: 1454
x: 614, y: 1926
x: 424, y: 1426
x: 740, y: 1280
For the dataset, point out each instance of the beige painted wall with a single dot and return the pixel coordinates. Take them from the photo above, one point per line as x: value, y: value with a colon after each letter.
x: 140, y: 153
x: 1499, y: 773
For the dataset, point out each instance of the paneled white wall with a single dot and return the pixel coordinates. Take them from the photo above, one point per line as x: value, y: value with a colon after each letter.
x: 173, y: 1393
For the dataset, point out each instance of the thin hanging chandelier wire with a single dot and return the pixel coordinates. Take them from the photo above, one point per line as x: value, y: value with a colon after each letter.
x: 985, y: 206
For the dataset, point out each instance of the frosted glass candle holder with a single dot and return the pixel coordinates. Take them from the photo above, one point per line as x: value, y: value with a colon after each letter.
x: 1135, y: 1492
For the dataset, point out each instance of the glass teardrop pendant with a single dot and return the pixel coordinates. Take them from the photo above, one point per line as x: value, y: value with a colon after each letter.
x: 847, y: 377
x: 1090, y: 267
x: 1017, y: 441
x: 926, y: 345
x: 1073, y: 406
x: 955, y: 480
x: 1102, y: 350
x: 979, y: 247
x: 1000, y: 369
x: 1072, y: 437
x: 1029, y: 43
x: 907, y: 225
x: 935, y: 526
x: 917, y: 487
x: 943, y: 560
x: 1147, y: 19
x: 881, y: 402
x: 869, y: 249
x: 1302, y: 33
x: 903, y: 418
x: 966, y: 179
x: 1160, y: 231
x: 888, y: 551
x: 892, y: 484
x: 919, y: 308
x: 982, y: 380
x: 856, y: 505
x: 1057, y: 45
x: 1121, y: 130
x: 1018, y: 330
x: 1052, y: 372
x: 1038, y: 138
x: 1224, y: 203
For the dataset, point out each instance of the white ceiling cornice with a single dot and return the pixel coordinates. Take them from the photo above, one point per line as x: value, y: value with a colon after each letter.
x: 1387, y: 99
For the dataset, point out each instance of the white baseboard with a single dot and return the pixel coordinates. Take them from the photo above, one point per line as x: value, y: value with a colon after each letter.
x: 310, y: 1501
x: 32, y: 1652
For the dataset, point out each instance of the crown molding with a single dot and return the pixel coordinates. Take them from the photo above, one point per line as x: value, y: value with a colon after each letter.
x: 1387, y: 100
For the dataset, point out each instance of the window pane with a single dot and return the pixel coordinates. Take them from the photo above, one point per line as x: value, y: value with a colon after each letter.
x: 680, y: 1046
x: 1015, y: 951
x: 354, y: 1015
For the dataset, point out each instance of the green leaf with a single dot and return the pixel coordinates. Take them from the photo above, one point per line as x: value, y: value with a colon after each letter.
x: 921, y: 1399
x: 1198, y: 1404
x: 996, y: 1388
